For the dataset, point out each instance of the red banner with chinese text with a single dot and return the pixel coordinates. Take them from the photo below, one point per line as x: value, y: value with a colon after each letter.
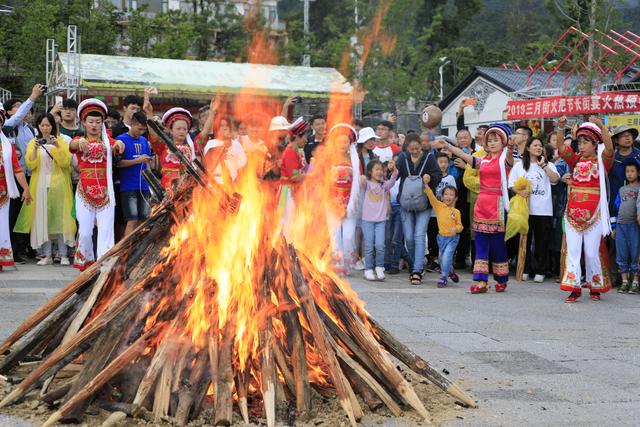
x: 555, y: 106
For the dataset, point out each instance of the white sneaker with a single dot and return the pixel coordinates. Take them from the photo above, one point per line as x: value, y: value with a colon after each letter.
x: 359, y: 265
x: 368, y: 274
x: 64, y: 261
x: 45, y: 261
x: 539, y: 278
x: 380, y: 273
x: 525, y: 277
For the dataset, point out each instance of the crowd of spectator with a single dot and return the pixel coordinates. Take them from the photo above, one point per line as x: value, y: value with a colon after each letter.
x: 411, y: 200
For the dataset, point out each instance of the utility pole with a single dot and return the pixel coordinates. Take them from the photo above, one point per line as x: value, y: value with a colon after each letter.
x: 593, y: 13
x: 306, y: 58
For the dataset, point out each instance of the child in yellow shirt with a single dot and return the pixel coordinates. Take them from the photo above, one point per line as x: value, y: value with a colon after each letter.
x: 449, y: 228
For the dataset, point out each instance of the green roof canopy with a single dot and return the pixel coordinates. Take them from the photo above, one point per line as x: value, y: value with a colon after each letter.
x: 114, y: 75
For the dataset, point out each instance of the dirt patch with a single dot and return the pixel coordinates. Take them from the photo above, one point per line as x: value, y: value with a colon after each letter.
x: 326, y: 411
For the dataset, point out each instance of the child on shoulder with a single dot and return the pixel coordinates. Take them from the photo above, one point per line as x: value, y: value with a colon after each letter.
x: 449, y: 228
x: 374, y: 215
x: 447, y: 180
x: 627, y: 231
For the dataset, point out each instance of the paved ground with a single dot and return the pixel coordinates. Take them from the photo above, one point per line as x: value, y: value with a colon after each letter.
x: 528, y: 358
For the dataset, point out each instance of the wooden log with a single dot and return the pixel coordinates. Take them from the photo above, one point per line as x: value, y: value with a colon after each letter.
x: 57, y: 394
x: 127, y: 408
x: 242, y: 391
x: 267, y: 367
x: 98, y: 357
x: 366, y: 340
x: 224, y: 389
x: 90, y: 388
x: 162, y: 396
x: 75, y: 346
x: 320, y: 335
x: 167, y: 346
x: 42, y: 330
x: 522, y: 258
x: 368, y: 380
x: 283, y: 367
x: 189, y: 391
x: 419, y: 365
x: 361, y: 388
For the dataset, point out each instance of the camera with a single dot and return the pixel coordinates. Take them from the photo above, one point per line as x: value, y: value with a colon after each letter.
x: 296, y: 100
x: 42, y: 141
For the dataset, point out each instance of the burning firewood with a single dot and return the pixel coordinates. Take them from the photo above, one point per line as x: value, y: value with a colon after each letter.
x: 205, y: 308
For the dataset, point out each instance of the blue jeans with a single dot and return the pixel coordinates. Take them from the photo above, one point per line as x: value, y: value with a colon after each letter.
x: 414, y: 225
x: 373, y: 233
x: 447, y: 246
x: 394, y: 238
x: 627, y: 247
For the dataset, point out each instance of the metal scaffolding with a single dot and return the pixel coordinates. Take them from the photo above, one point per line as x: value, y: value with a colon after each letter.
x: 60, y: 79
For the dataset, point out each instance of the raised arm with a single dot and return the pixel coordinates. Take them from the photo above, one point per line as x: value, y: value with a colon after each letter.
x: 606, y: 138
x: 17, y: 118
x: 458, y: 152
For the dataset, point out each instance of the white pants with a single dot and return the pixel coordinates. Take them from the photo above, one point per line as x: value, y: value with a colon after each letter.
x: 6, y: 253
x: 87, y: 218
x: 344, y: 240
x: 573, y: 272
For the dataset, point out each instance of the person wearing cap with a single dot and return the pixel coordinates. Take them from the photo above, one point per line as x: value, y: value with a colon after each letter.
x: 178, y: 121
x: 293, y: 168
x: 367, y: 139
x: 385, y: 147
x: 95, y: 197
x: 294, y: 163
x: 623, y: 137
x: 489, y: 218
x: 587, y: 214
x: 234, y: 157
x: 341, y: 156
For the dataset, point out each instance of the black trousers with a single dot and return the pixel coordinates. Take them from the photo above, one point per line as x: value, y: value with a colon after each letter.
x: 539, y: 241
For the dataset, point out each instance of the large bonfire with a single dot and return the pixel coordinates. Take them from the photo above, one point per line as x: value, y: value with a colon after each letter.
x: 208, y: 305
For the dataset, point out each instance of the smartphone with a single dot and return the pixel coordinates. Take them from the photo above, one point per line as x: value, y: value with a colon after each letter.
x: 59, y: 101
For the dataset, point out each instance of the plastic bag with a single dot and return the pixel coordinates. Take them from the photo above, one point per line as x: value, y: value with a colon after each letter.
x: 518, y: 217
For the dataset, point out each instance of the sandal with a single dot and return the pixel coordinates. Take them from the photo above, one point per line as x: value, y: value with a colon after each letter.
x: 416, y: 278
x: 573, y: 297
x: 442, y: 283
x: 454, y: 277
x: 595, y: 296
x: 475, y: 289
x: 501, y: 287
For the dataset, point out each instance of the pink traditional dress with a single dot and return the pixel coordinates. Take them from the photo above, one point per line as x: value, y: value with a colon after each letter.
x: 169, y: 162
x: 489, y: 223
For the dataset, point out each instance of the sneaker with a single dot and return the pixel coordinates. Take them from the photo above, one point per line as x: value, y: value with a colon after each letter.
x: 635, y: 288
x: 368, y: 274
x: 359, y: 265
x: 45, y: 261
x: 64, y: 261
x: 525, y: 277
x: 393, y: 270
x: 380, y: 273
x: 625, y: 287
x: 539, y: 278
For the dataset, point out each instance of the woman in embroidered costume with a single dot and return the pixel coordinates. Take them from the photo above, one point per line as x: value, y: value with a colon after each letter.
x: 345, y: 193
x: 9, y: 167
x: 95, y: 200
x: 178, y: 121
x: 490, y: 208
x: 293, y: 168
x: 586, y: 217
x: 49, y: 216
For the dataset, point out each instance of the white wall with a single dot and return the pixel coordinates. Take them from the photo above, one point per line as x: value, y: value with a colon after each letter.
x: 492, y: 101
